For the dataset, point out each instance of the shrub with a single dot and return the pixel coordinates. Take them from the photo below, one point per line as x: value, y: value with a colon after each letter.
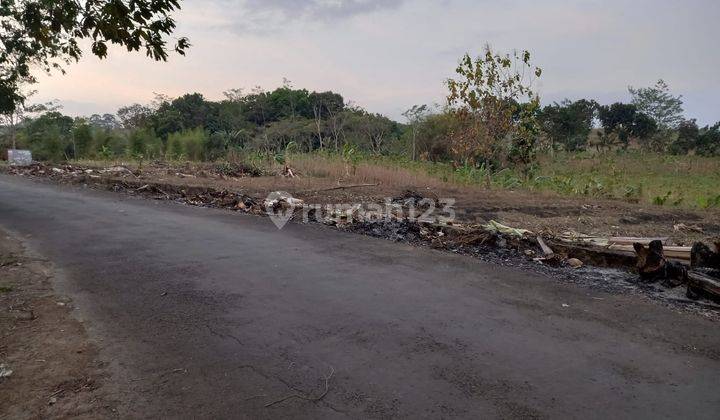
x: 144, y: 143
x: 708, y: 141
x: 187, y: 144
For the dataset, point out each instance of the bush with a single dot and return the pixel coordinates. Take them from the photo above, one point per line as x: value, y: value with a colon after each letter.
x: 686, y: 139
x: 110, y: 142
x: 708, y: 141
x: 187, y: 144
x: 144, y: 143
x: 83, y: 140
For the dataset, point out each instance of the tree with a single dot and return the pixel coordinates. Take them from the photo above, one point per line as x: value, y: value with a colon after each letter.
x: 49, y: 136
x: 568, y: 123
x: 144, y: 144
x: 184, y: 113
x: 623, y: 121
x: 47, y: 34
x: 82, y: 139
x: 234, y: 94
x: 433, y: 135
x: 368, y: 130
x: 486, y: 98
x: 643, y: 126
x: 659, y: 104
x: 105, y: 121
x: 687, y: 137
x: 13, y: 119
x: 134, y: 116
x: 276, y: 136
x: 187, y: 144
x: 708, y: 142
x: 415, y: 116
x: 324, y: 105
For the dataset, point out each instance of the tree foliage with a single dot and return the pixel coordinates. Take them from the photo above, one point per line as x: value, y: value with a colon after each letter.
x: 569, y: 123
x: 46, y: 34
x: 659, y: 104
x: 487, y: 97
x: 622, y: 121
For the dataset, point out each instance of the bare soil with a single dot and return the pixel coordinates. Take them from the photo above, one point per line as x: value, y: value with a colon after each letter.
x: 51, y: 369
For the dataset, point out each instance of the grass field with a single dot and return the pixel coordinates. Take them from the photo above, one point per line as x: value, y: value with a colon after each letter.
x: 686, y: 181
x: 663, y: 180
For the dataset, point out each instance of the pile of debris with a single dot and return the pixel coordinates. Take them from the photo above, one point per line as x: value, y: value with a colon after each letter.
x: 701, y: 276
x: 655, y: 259
x: 69, y: 172
x: 123, y: 179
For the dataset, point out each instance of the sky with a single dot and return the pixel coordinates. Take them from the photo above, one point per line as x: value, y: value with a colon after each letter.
x: 387, y: 55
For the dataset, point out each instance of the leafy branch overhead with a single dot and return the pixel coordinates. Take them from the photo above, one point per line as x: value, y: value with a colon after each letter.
x: 46, y: 34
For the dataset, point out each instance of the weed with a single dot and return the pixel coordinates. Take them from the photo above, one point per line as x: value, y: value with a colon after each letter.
x: 660, y: 200
x: 707, y: 202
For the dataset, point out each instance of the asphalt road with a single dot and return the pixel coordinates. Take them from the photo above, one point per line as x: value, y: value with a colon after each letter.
x: 207, y: 313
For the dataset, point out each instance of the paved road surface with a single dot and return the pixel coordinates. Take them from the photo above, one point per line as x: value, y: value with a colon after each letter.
x: 255, y: 314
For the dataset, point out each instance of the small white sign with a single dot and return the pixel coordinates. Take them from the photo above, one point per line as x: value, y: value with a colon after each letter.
x: 19, y: 157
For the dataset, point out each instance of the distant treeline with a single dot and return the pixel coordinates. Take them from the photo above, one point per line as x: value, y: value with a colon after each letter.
x: 191, y: 127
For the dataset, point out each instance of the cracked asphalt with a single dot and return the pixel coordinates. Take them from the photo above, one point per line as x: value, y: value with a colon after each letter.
x: 211, y: 314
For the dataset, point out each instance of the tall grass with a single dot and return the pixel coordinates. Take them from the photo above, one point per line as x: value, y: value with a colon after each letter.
x: 684, y: 181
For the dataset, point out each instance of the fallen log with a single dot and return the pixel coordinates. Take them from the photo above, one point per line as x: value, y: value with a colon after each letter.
x: 702, y: 285
x: 629, y: 240
x: 595, y: 255
x: 673, y: 252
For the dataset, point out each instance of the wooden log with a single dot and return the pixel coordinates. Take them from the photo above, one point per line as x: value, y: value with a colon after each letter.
x: 673, y: 252
x: 702, y: 285
x: 545, y: 248
x: 595, y: 255
x: 629, y: 240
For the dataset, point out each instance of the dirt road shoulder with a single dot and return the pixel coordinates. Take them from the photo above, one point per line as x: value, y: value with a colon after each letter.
x: 48, y: 366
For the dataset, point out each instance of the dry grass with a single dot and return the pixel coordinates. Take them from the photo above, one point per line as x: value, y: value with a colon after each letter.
x: 370, y: 171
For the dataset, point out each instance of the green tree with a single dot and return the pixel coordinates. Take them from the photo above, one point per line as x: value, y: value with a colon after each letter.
x: 187, y: 144
x: 49, y: 136
x: 708, y: 142
x: 276, y: 136
x: 46, y: 34
x: 433, y: 135
x: 659, y: 104
x: 369, y: 131
x: 110, y: 142
x: 104, y: 121
x: 143, y: 143
x: 622, y: 121
x: 568, y: 123
x: 487, y: 98
x: 82, y: 139
x: 185, y: 113
x: 134, y: 116
x: 14, y: 119
x: 687, y: 137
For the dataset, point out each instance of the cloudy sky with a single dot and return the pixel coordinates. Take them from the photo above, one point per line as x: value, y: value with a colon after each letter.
x: 387, y: 55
